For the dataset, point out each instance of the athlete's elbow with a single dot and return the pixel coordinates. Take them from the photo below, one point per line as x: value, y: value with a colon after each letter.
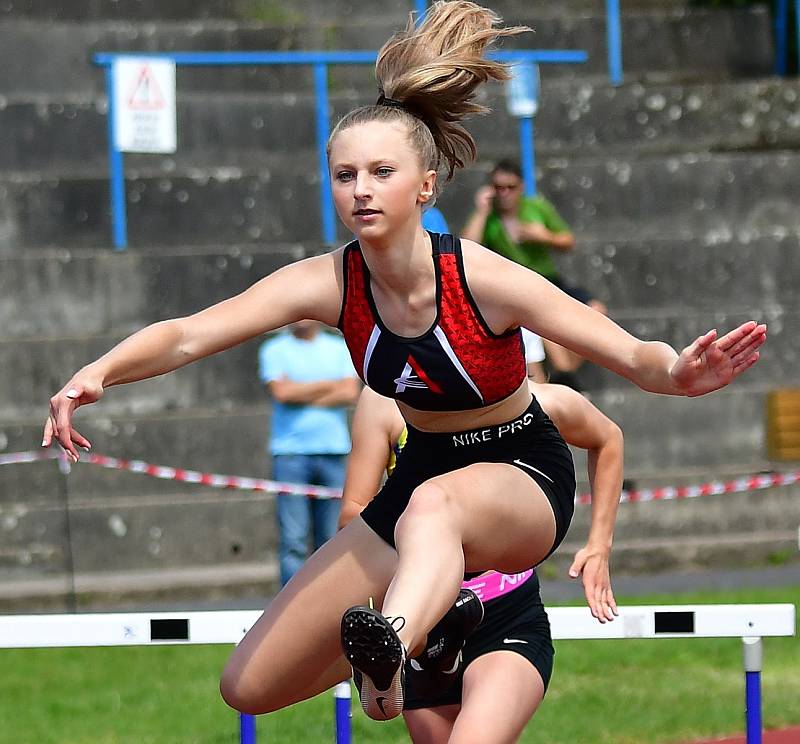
x: 615, y: 434
x: 614, y: 443
x: 186, y: 345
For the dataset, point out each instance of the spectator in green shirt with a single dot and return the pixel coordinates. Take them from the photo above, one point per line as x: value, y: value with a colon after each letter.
x: 526, y: 230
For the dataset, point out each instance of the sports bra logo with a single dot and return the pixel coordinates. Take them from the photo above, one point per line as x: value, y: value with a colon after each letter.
x: 413, y: 376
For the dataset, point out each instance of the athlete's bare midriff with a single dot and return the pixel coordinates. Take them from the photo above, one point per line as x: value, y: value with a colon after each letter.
x: 446, y: 421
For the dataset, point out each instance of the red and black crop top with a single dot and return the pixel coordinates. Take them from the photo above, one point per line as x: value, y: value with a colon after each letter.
x: 457, y: 365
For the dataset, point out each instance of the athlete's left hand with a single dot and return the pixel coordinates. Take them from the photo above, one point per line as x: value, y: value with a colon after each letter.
x: 710, y: 363
x: 592, y: 564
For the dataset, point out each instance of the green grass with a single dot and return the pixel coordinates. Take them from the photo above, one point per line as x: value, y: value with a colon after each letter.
x: 602, y: 692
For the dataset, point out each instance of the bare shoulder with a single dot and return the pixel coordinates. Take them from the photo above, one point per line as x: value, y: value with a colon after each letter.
x: 500, y: 287
x: 324, y: 265
x: 314, y: 285
x: 477, y: 257
x: 488, y: 271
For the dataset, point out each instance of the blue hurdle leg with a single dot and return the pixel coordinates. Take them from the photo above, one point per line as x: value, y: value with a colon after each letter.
x: 247, y: 729
x: 753, y: 658
x: 341, y: 697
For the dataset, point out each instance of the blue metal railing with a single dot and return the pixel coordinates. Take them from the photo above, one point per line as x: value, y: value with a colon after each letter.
x: 320, y: 62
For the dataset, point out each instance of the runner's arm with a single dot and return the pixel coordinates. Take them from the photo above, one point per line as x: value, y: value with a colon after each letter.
x: 376, y: 427
x: 583, y: 425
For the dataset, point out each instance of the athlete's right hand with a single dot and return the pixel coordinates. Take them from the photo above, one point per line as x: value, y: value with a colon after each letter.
x: 83, y: 388
x: 484, y: 199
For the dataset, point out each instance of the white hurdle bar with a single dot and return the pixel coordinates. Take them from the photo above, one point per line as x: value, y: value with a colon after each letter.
x: 751, y: 622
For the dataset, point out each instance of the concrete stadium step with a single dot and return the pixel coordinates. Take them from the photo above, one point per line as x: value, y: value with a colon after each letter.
x: 274, y: 11
x: 111, y: 293
x: 716, y: 432
x: 34, y: 494
x: 769, y: 510
x: 745, y: 529
x: 224, y: 439
x: 202, y: 206
x: 249, y: 585
x: 575, y: 119
x: 33, y: 366
x: 140, y: 534
x: 144, y: 10
x: 47, y: 58
x: 742, y: 550
x: 779, y: 359
x: 669, y: 434
x: 152, y: 530
x: 706, y: 196
x: 634, y: 276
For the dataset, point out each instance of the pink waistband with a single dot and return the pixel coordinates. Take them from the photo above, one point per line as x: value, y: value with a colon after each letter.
x: 493, y: 584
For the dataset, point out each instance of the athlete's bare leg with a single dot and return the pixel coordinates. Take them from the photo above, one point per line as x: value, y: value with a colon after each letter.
x: 431, y: 725
x: 294, y: 651
x: 501, y: 692
x: 484, y: 516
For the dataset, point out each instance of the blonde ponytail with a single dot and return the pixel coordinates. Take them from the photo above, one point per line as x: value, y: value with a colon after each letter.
x: 427, y: 78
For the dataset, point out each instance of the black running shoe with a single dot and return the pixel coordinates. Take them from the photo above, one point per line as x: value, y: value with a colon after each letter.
x: 378, y: 657
x: 446, y: 639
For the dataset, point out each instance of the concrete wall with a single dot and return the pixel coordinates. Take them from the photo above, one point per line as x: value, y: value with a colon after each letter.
x: 680, y: 185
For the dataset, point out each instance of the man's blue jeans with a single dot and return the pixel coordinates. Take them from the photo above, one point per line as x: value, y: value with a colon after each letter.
x: 300, y: 517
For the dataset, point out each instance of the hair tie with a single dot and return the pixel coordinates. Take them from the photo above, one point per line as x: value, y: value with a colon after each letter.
x: 390, y: 102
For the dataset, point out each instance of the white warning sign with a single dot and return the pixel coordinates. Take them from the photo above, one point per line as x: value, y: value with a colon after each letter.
x: 144, y: 104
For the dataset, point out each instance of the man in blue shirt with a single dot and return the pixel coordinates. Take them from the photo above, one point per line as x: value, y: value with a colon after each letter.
x: 312, y: 381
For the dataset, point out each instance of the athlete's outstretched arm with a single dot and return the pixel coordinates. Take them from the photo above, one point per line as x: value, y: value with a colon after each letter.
x: 510, y: 295
x: 307, y: 289
x: 584, y: 426
x: 376, y: 427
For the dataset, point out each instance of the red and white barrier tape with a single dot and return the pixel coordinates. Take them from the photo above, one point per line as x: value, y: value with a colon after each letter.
x: 179, y: 474
x: 666, y: 493
x: 739, y: 485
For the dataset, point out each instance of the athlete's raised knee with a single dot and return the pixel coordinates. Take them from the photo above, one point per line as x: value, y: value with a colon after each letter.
x: 428, y: 500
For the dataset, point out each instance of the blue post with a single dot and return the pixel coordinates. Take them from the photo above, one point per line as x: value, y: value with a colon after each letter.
x: 528, y: 154
x: 614, y: 41
x: 753, y: 707
x: 247, y: 729
x: 781, y: 24
x: 420, y: 7
x: 753, y: 661
x: 323, y: 129
x: 797, y: 32
x: 341, y: 696
x: 119, y: 219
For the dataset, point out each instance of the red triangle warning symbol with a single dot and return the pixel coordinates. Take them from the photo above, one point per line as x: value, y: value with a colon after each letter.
x: 145, y: 94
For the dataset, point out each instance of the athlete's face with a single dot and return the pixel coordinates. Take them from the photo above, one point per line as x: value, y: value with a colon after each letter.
x: 377, y: 180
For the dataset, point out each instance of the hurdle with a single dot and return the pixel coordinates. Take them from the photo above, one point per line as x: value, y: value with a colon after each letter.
x: 750, y: 622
